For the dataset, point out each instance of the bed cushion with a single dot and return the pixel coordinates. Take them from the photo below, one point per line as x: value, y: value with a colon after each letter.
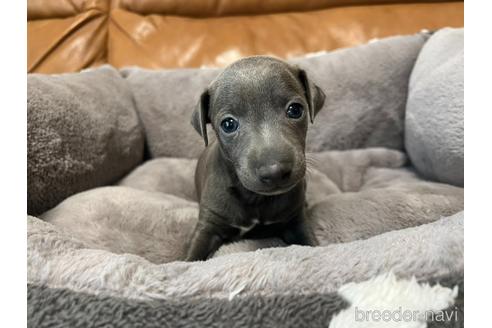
x: 82, y: 132
x: 129, y: 239
x: 62, y: 307
x: 365, y: 89
x: 434, y: 132
x: 56, y: 258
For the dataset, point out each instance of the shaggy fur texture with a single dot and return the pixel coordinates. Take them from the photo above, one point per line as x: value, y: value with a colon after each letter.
x: 82, y: 132
x: 387, y: 293
x: 49, y: 307
x: 58, y: 259
x: 53, y: 307
x: 434, y: 132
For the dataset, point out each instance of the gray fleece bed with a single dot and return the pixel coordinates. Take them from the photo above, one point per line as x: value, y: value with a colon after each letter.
x: 111, y: 200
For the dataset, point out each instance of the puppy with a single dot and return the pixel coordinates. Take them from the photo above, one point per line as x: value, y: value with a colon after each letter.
x: 251, y: 180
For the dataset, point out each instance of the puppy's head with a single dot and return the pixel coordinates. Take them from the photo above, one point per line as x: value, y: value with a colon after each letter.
x: 259, y: 108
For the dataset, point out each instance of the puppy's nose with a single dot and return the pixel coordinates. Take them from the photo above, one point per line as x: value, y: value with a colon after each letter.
x: 275, y: 173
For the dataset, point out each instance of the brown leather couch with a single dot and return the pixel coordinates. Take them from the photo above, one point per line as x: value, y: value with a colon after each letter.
x: 69, y: 35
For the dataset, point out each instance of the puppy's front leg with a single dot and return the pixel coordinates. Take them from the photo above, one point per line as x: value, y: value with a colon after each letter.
x: 297, y: 232
x: 208, y: 236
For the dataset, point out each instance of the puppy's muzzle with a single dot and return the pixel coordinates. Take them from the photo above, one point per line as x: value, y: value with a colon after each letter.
x: 276, y: 174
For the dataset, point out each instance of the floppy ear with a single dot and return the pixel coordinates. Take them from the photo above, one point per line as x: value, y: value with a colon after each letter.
x: 314, y: 95
x: 199, y: 118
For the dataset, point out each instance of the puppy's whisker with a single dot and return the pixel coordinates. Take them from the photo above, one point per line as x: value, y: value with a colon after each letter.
x: 312, y: 162
x: 309, y: 173
x: 311, y: 168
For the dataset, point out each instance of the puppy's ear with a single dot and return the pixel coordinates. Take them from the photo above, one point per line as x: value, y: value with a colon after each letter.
x: 314, y: 95
x: 199, y: 118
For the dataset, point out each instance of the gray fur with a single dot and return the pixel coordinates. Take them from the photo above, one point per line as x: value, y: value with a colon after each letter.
x: 253, y: 178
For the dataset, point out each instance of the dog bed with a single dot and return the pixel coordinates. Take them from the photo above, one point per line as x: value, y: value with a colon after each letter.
x: 112, y: 202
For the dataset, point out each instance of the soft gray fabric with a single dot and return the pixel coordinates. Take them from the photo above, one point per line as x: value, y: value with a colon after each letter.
x: 366, y: 90
x: 125, y: 220
x: 174, y: 176
x: 105, y: 240
x: 354, y: 195
x: 53, y: 307
x: 57, y: 259
x: 434, y: 135
x: 82, y: 132
x: 165, y: 100
x: 49, y: 307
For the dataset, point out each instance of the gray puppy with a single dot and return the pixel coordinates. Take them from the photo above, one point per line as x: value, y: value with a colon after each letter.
x: 250, y: 181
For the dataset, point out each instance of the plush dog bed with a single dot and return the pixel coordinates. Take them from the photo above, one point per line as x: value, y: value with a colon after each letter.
x: 111, y: 157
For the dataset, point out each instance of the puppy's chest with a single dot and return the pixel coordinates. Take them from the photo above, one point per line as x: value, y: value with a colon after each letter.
x: 267, y: 212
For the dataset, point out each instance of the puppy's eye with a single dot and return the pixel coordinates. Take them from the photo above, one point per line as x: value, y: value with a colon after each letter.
x: 229, y: 125
x: 294, y: 110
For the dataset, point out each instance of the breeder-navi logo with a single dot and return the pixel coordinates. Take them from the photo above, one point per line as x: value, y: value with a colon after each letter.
x: 400, y: 315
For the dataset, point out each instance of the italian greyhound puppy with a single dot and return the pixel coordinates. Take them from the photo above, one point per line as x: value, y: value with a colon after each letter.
x: 250, y: 181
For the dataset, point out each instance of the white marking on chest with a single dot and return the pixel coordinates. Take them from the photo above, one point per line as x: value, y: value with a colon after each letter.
x: 245, y: 229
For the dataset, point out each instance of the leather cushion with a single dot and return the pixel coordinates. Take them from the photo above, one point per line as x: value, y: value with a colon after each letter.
x: 165, y: 41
